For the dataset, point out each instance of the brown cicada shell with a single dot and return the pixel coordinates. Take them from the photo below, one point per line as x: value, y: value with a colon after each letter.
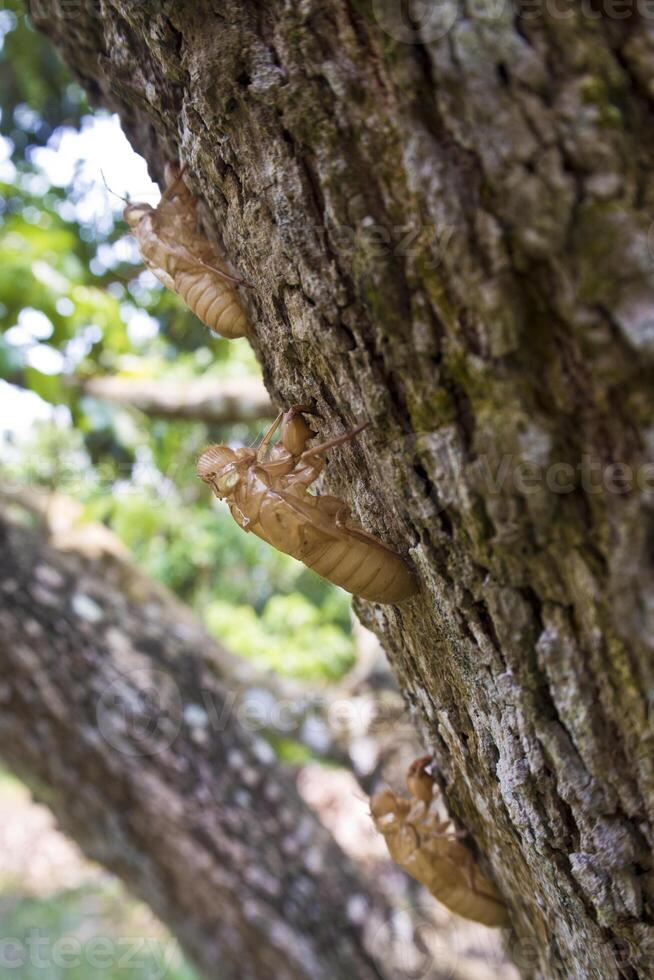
x: 267, y: 494
x: 184, y: 260
x: 429, y: 849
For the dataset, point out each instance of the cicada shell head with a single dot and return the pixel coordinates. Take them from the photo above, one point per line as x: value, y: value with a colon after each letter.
x: 213, y: 461
x: 390, y: 815
x: 142, y: 222
x: 388, y: 811
x: 133, y: 213
x: 383, y: 804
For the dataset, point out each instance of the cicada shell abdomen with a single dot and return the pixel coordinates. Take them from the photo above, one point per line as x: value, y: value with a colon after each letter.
x: 361, y: 567
x: 447, y: 868
x: 316, y: 531
x: 213, y: 300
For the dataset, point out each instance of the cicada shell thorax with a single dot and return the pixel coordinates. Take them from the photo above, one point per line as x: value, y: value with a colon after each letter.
x: 153, y: 250
x: 185, y: 261
x: 426, y: 846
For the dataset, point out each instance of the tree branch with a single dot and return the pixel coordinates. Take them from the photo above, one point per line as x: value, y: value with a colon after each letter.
x: 328, y: 722
x: 110, y: 713
x: 216, y: 401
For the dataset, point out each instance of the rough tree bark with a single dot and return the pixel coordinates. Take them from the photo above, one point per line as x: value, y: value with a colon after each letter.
x: 446, y: 225
x: 115, y: 713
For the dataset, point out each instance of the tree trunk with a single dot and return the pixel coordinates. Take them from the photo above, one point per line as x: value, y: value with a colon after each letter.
x: 446, y: 225
x: 113, y: 714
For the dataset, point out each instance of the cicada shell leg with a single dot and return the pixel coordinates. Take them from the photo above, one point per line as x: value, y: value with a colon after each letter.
x: 338, y: 441
x: 174, y: 177
x: 265, y: 442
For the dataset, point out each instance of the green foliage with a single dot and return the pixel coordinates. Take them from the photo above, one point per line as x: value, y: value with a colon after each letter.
x: 75, y: 302
x: 36, y: 92
x: 195, y: 550
x: 289, y: 752
x: 292, y: 636
x: 52, y: 457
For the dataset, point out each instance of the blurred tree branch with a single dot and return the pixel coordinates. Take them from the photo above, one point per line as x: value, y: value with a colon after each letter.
x: 219, y: 401
x: 321, y: 720
x: 112, y: 714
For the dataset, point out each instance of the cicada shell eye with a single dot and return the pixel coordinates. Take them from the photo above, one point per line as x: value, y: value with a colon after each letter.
x: 227, y: 481
x: 213, y: 461
x: 134, y: 212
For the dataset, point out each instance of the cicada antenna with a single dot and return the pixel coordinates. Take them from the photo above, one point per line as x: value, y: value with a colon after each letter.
x: 257, y: 436
x: 125, y: 200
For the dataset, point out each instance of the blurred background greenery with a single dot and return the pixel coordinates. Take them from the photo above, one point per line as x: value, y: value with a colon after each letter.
x: 75, y: 304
